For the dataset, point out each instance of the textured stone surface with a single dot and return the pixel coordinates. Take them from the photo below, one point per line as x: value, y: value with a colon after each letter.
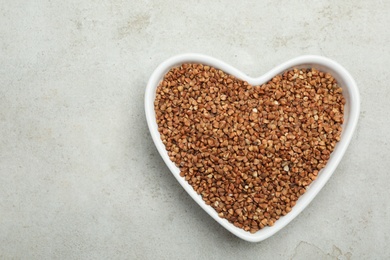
x: 79, y: 175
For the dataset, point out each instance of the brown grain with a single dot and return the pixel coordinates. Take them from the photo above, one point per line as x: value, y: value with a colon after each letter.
x: 249, y: 151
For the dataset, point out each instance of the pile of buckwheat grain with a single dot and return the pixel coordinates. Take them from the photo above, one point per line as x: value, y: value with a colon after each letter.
x: 249, y: 151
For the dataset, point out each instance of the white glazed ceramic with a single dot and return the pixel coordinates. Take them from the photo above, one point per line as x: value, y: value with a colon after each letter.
x: 351, y: 115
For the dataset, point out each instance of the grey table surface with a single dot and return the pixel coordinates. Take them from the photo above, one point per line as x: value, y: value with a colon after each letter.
x: 80, y: 177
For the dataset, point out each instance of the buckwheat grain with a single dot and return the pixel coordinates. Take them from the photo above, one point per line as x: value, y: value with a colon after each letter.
x: 249, y: 151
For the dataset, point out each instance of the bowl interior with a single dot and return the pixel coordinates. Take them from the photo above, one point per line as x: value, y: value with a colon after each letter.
x: 351, y: 113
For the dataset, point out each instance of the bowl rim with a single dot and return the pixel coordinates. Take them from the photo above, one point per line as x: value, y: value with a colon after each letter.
x: 326, y: 64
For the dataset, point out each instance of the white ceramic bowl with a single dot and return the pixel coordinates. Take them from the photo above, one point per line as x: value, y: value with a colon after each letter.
x: 351, y: 115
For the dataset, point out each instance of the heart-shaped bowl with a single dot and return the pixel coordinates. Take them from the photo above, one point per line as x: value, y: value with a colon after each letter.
x: 351, y: 115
